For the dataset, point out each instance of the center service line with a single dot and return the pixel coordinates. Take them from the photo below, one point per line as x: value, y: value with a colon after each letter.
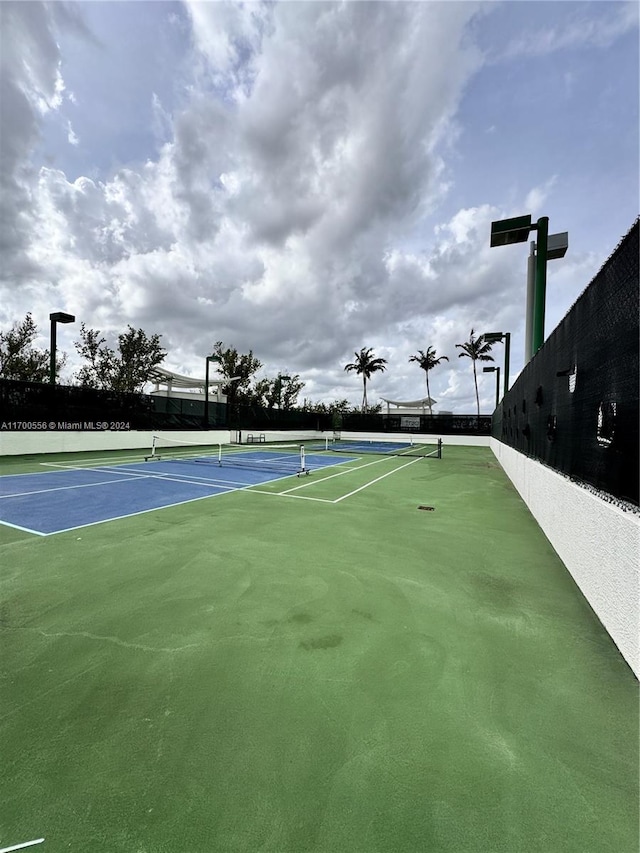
x: 366, y: 485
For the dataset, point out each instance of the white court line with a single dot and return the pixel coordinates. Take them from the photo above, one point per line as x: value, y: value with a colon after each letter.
x: 331, y: 476
x: 178, y: 478
x: 83, y: 462
x: 138, y: 475
x: 22, y: 846
x: 26, y: 530
x: 140, y: 512
x: 224, y: 491
x: 65, y: 488
x: 377, y: 480
x: 285, y: 495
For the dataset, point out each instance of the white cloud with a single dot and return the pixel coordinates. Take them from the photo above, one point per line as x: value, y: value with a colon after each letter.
x: 584, y: 29
x: 538, y: 196
x: 71, y: 136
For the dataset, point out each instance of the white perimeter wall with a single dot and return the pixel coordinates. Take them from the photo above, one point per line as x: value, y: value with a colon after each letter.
x: 598, y: 542
x: 431, y: 438
x: 72, y: 441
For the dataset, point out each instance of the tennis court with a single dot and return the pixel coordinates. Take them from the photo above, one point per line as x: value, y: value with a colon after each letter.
x: 285, y: 663
x: 72, y: 495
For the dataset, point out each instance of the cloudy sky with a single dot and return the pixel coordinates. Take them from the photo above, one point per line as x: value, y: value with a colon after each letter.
x: 306, y: 178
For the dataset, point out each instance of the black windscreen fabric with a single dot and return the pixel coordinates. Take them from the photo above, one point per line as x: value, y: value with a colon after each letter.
x: 575, y: 404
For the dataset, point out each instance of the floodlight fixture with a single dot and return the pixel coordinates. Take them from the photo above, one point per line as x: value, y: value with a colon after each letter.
x: 557, y: 245
x: 56, y: 317
x: 504, y: 232
x: 516, y: 230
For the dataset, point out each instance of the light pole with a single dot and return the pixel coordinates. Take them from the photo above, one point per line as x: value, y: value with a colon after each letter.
x: 507, y: 231
x: 56, y: 317
x: 494, y: 338
x: 208, y: 359
x: 497, y: 371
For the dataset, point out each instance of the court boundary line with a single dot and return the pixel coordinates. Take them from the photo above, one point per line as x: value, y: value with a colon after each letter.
x: 25, y: 530
x: 65, y: 488
x: 286, y: 494
x: 22, y: 846
x: 178, y: 478
x: 139, y: 512
x: 222, y: 487
x: 335, y: 474
x: 222, y: 490
x: 377, y: 480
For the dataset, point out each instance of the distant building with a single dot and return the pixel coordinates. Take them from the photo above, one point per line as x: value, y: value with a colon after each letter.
x: 173, y: 381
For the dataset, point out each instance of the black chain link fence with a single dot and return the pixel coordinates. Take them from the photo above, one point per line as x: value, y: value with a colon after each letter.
x: 575, y: 404
x: 41, y: 406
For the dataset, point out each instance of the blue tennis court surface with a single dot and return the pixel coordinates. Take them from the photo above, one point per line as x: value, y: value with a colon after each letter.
x: 64, y: 498
x: 365, y: 446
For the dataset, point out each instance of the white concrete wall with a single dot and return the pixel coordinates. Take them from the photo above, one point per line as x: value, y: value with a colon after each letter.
x: 598, y: 542
x: 466, y: 440
x: 72, y: 441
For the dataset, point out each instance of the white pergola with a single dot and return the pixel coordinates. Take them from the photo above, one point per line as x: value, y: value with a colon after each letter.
x: 410, y: 407
x: 175, y: 385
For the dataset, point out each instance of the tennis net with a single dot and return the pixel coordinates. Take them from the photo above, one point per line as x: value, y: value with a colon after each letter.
x: 409, y: 446
x: 285, y: 459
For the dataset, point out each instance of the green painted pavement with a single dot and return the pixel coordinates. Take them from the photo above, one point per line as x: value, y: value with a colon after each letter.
x: 261, y: 673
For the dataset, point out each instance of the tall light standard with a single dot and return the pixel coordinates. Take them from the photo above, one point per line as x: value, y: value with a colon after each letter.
x: 494, y: 338
x: 497, y: 371
x: 56, y: 317
x: 208, y: 359
x: 507, y: 231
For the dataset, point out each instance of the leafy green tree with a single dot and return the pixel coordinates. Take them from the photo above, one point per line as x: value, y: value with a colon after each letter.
x: 427, y: 361
x: 238, y: 367
x: 281, y: 392
x: 19, y: 359
x: 288, y: 390
x: 365, y: 365
x: 127, y: 369
x: 477, y: 349
x: 342, y: 407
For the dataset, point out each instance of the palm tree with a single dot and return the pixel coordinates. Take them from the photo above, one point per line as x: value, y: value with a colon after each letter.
x: 477, y: 349
x: 366, y: 364
x: 427, y: 361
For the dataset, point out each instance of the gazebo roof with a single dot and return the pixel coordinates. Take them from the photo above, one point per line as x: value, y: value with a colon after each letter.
x: 161, y: 375
x: 411, y: 404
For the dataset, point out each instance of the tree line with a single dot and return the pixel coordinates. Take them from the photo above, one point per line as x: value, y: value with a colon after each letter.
x: 130, y: 367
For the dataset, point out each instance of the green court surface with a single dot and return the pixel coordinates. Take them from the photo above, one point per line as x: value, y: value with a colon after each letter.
x: 313, y: 665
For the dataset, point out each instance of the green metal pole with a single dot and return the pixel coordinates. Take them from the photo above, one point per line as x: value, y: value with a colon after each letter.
x: 531, y: 284
x: 541, y: 283
x: 497, y: 386
x: 52, y: 354
x: 206, y: 395
x: 507, y: 353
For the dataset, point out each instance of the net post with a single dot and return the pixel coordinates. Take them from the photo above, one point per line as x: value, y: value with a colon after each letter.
x: 302, y: 459
x: 439, y: 448
x: 152, y: 455
x: 220, y: 455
